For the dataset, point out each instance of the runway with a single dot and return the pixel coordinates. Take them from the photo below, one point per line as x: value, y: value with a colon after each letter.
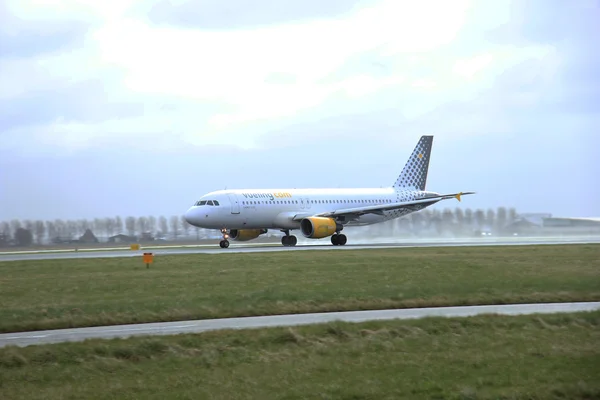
x: 23, y: 339
x: 302, y: 246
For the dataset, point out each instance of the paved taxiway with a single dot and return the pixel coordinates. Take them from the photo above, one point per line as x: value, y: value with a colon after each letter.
x: 170, y: 328
x: 250, y: 248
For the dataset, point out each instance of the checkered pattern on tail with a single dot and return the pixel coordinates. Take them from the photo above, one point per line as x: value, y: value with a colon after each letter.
x: 414, y: 174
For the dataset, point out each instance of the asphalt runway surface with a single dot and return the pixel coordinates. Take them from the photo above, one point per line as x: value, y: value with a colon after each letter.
x: 23, y: 339
x: 257, y: 248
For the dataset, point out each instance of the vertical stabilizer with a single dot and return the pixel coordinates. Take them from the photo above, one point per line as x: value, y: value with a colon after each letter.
x: 414, y: 174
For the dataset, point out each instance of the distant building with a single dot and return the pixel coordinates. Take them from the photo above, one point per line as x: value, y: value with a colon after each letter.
x: 88, y: 237
x: 63, y: 239
x: 535, y: 218
x: 147, y: 237
x: 120, y: 238
x: 521, y: 226
x: 572, y: 226
x: 572, y: 222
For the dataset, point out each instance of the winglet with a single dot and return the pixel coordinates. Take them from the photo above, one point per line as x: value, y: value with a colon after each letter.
x: 458, y: 195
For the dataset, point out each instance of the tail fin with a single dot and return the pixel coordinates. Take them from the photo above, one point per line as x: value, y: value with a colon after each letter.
x: 414, y: 174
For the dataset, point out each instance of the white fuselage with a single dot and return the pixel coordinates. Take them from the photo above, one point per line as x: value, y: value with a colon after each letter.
x: 276, y: 208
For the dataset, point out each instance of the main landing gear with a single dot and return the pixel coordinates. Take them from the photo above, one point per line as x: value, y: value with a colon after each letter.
x: 338, y: 239
x: 224, y: 243
x: 288, y: 240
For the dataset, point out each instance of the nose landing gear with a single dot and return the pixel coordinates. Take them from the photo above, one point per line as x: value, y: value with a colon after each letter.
x: 224, y: 243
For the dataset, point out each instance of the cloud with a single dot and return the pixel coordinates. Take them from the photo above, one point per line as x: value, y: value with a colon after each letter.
x: 226, y: 81
x: 136, y: 60
x: 232, y: 66
x: 227, y: 15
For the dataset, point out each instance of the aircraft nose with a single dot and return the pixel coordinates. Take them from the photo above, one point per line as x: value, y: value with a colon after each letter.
x: 192, y: 216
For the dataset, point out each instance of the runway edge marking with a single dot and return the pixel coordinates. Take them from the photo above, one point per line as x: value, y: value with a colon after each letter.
x: 22, y: 339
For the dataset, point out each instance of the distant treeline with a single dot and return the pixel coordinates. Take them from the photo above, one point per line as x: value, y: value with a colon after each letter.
x: 40, y: 232
x: 57, y: 231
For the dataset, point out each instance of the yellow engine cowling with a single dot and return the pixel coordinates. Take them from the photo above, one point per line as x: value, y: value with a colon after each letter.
x: 242, y: 235
x: 318, y: 227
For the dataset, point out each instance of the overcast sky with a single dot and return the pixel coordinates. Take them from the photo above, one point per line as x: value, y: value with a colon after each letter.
x: 140, y: 107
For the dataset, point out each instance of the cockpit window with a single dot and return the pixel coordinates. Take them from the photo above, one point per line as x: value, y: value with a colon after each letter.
x: 207, y: 203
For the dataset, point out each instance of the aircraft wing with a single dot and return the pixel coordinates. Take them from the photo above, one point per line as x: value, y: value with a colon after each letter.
x: 413, y: 205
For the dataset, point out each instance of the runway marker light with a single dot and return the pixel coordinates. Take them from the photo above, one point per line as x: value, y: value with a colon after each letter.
x: 148, y: 259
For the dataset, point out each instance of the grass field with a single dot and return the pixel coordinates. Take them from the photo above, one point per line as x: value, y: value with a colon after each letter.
x: 72, y: 293
x: 488, y: 357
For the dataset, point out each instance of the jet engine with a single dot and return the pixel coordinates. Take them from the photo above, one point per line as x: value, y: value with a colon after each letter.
x: 319, y: 227
x: 242, y: 235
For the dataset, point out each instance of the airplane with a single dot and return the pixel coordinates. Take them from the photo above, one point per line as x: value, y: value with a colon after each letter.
x: 245, y: 214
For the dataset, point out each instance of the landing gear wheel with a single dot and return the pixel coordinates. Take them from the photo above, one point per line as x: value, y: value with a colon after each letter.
x: 338, y: 239
x: 289, y: 240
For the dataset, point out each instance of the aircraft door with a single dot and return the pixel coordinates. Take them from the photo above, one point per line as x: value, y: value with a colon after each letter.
x: 235, y: 204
